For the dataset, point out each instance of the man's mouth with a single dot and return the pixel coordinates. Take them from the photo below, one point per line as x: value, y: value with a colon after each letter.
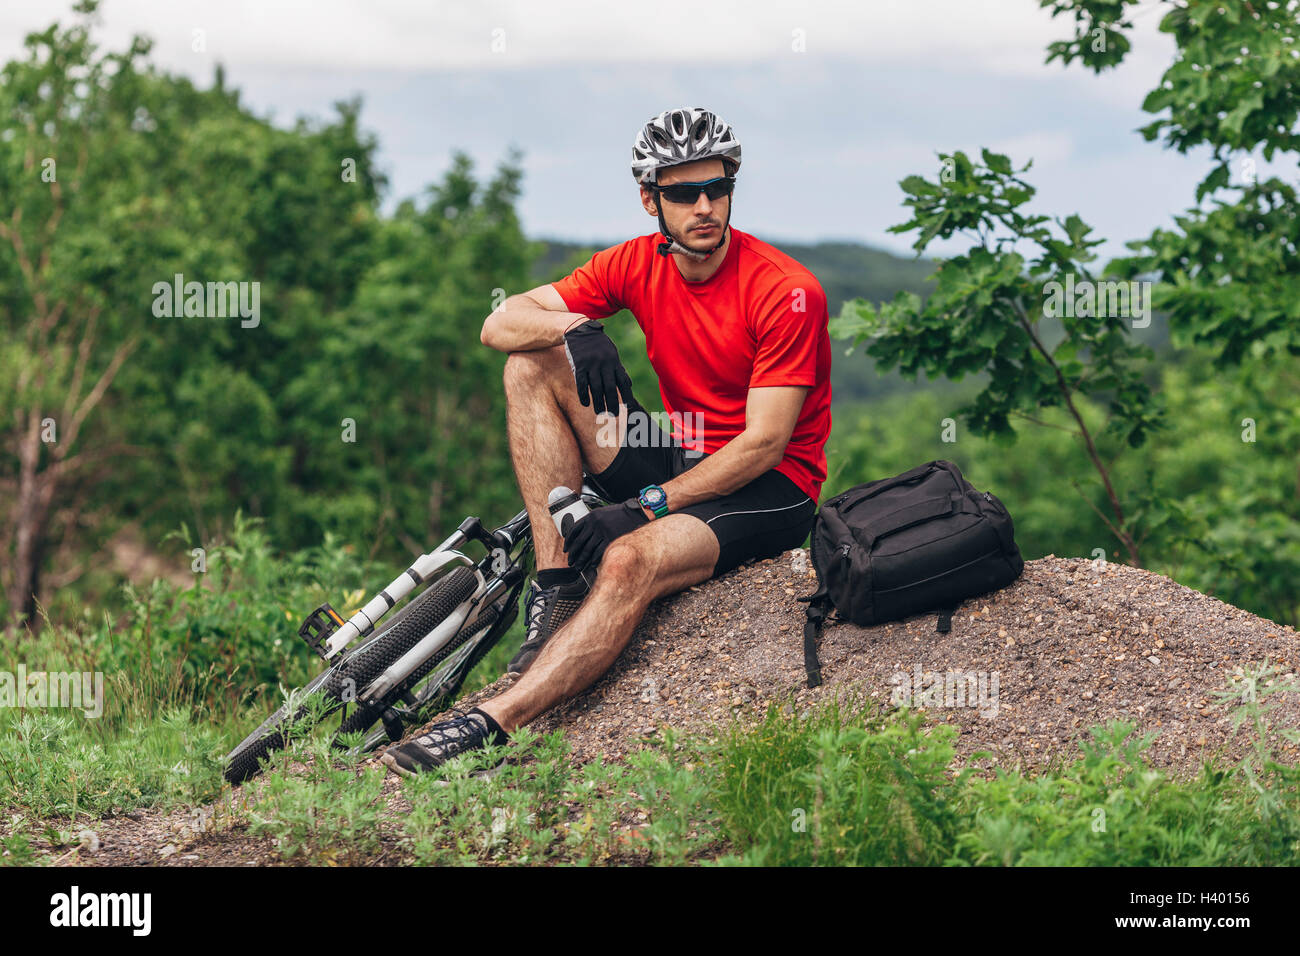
x: 706, y: 228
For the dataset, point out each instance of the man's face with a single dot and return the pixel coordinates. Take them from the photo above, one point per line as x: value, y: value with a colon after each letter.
x: 697, y: 226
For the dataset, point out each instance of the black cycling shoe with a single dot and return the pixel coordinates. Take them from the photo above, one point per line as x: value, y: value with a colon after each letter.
x: 440, y: 743
x: 546, y: 610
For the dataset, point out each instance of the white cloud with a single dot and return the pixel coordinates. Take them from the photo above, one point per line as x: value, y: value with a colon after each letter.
x: 993, y: 36
x: 883, y: 86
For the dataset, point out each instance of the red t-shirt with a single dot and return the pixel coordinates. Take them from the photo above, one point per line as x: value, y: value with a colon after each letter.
x: 759, y: 320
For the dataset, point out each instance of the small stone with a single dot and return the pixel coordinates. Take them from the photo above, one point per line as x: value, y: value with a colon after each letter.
x: 1153, y: 659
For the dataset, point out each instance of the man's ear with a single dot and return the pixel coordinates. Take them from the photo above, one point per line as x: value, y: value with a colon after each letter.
x: 648, y: 201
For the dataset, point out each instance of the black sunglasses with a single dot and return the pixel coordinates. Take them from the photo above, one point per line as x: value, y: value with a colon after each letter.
x: 685, y: 193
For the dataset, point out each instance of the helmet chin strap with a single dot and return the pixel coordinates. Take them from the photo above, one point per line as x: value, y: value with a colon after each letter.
x: 673, y: 245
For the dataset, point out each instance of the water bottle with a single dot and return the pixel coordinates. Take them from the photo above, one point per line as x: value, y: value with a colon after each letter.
x: 566, y: 507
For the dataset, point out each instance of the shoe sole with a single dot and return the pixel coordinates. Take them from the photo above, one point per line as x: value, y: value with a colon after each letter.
x: 389, y: 761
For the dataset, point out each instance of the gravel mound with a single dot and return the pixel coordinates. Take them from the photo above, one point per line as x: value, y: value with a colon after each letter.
x: 1023, y: 673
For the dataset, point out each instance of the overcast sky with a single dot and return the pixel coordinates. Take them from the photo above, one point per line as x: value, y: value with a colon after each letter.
x: 878, y: 88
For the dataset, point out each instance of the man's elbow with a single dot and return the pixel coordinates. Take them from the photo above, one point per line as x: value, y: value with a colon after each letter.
x: 772, y: 450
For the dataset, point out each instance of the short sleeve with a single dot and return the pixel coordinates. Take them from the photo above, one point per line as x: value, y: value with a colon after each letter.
x: 595, y: 288
x: 789, y: 328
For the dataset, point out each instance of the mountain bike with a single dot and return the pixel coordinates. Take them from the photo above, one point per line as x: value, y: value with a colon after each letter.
x: 413, y: 666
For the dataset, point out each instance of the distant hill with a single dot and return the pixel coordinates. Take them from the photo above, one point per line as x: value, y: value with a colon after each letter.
x: 847, y: 270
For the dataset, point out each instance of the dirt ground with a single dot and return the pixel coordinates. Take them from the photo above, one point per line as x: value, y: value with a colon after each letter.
x: 1022, y: 673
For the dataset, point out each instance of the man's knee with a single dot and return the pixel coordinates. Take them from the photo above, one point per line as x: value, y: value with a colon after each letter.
x: 534, y: 367
x: 626, y: 565
x: 660, y: 558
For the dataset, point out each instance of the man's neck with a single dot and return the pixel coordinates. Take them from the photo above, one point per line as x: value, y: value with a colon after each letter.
x: 693, y: 270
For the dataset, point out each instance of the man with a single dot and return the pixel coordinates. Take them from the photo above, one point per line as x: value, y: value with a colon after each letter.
x: 736, y: 332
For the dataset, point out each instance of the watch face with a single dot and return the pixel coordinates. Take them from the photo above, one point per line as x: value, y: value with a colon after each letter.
x: 653, y: 497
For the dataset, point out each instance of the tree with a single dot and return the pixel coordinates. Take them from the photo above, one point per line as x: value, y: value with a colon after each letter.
x: 988, y: 309
x: 1228, y: 277
x: 64, y: 345
x: 115, y: 180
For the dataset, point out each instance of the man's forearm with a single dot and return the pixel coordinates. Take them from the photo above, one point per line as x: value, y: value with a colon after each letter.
x: 732, y: 466
x: 521, y: 325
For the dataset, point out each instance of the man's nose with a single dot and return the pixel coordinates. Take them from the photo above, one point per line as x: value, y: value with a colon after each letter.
x: 702, y: 205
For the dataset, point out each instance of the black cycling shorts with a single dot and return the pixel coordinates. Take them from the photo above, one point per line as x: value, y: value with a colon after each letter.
x: 759, y: 520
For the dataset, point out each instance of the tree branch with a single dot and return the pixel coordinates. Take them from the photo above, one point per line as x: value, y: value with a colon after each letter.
x: 1023, y: 317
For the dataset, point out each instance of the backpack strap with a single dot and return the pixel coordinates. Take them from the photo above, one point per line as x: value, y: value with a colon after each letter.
x: 812, y: 629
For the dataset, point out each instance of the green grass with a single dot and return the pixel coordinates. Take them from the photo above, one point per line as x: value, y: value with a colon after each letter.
x: 854, y: 788
x: 841, y: 785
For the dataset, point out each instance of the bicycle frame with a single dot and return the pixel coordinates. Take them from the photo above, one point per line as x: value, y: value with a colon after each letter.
x: 488, y: 588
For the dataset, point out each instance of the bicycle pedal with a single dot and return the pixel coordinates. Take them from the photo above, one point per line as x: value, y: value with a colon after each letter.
x: 394, y: 720
x: 317, y: 628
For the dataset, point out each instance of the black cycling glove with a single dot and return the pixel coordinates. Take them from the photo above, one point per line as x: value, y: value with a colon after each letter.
x: 591, y: 534
x: 596, y: 368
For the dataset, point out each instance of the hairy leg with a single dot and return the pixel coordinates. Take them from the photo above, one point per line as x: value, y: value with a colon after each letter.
x: 660, y: 558
x: 552, y: 437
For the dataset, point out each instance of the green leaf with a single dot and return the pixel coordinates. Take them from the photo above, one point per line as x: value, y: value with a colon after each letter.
x: 1217, y: 179
x: 919, y: 186
x: 997, y: 162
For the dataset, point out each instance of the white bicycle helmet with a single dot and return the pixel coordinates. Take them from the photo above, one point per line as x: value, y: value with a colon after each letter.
x: 683, y: 136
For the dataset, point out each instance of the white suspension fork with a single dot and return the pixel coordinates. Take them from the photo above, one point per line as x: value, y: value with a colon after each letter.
x: 424, y: 567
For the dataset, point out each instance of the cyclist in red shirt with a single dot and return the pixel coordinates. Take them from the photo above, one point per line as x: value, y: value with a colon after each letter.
x: 736, y: 332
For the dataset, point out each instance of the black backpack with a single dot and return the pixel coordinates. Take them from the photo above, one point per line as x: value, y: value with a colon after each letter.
x: 922, y: 541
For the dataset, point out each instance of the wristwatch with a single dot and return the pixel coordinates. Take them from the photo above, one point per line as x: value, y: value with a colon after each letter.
x: 653, y: 499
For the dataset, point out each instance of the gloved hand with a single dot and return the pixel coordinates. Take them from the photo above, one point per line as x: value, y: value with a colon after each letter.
x: 591, y: 534
x: 593, y: 357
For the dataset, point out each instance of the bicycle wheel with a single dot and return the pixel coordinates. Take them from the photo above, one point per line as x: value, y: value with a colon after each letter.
x: 357, y: 670
x: 362, y: 718
x: 445, y: 674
